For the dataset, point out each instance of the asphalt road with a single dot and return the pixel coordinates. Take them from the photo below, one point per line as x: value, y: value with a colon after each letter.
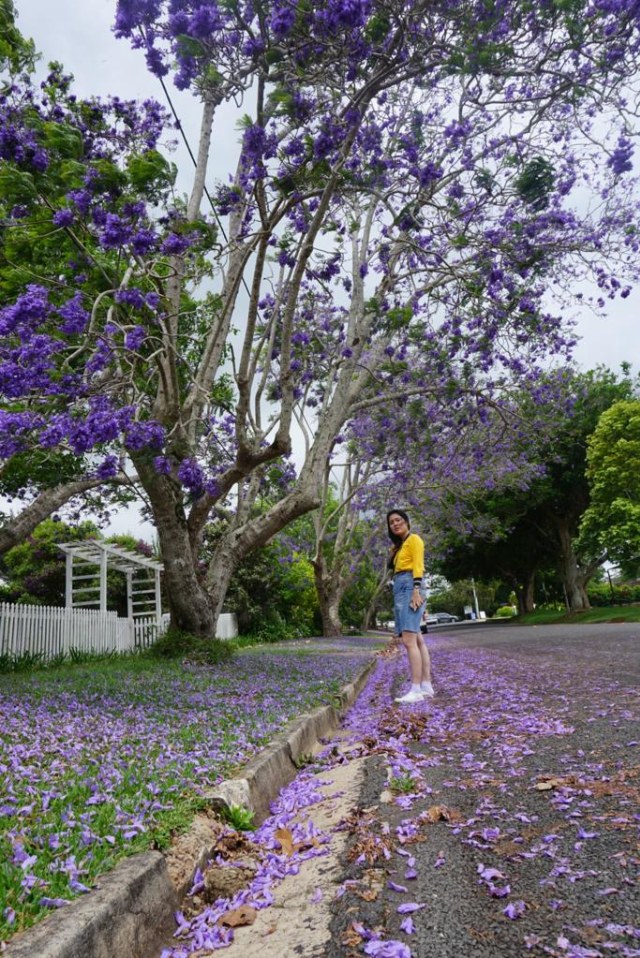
x: 503, y: 817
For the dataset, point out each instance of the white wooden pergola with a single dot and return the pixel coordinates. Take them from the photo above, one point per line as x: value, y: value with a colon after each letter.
x: 142, y: 576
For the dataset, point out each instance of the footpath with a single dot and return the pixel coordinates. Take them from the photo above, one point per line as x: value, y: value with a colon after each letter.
x: 500, y: 818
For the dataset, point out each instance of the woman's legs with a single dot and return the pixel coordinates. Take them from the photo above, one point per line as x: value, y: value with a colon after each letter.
x: 414, y: 654
x: 425, y: 675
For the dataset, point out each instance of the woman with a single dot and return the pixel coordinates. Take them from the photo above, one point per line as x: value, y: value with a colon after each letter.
x: 407, y: 562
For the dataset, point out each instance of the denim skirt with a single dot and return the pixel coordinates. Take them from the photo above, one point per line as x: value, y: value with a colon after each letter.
x: 406, y: 619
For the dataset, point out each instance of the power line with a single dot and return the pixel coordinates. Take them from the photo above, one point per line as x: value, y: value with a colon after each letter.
x: 191, y: 153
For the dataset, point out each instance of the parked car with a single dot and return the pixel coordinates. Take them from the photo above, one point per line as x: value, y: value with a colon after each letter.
x: 446, y: 617
x: 437, y: 618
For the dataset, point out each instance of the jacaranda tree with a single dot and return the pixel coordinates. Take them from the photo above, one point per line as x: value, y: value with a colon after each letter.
x: 433, y: 455
x: 410, y: 178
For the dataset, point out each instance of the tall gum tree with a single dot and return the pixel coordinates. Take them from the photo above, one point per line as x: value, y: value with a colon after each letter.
x: 417, y: 142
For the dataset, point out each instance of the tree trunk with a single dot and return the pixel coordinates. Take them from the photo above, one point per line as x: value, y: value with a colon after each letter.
x: 524, y: 593
x: 574, y: 576
x: 329, y: 589
x: 190, y: 607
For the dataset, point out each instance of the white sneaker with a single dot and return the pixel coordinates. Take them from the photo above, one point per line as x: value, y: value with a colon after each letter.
x: 427, y: 689
x: 411, y: 697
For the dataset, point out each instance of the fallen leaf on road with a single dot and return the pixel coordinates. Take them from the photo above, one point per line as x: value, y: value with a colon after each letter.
x: 351, y: 937
x: 245, y: 915
x: 439, y: 813
x: 546, y: 784
x: 284, y: 836
x: 368, y: 894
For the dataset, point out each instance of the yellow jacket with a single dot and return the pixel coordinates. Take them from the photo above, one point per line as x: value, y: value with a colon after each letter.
x: 410, y: 557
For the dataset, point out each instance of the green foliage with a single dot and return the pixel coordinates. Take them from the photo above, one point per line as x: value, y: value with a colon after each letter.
x: 16, y: 52
x: 304, y: 760
x: 526, y: 537
x: 505, y: 612
x: 536, y: 182
x: 31, y: 661
x: 357, y: 597
x: 404, y: 784
x: 625, y: 613
x: 606, y: 594
x: 611, y: 524
x: 35, y: 569
x: 273, y: 590
x: 454, y: 596
x: 25, y: 662
x: 177, y: 644
x: 238, y: 817
x: 151, y: 173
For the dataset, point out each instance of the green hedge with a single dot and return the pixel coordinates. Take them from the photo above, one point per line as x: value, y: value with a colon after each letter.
x: 600, y: 593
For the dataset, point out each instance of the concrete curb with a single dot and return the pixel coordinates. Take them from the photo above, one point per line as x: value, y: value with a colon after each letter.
x: 130, y: 912
x: 258, y: 783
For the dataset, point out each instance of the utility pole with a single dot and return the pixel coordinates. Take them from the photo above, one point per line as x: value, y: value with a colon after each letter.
x: 475, y: 599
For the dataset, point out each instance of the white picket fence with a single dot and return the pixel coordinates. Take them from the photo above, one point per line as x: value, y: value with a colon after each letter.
x: 46, y: 631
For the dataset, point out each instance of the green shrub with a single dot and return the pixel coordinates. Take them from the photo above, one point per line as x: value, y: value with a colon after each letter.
x: 177, y: 644
x: 603, y: 594
x: 505, y: 612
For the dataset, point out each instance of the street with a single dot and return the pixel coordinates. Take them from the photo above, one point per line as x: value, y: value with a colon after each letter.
x: 510, y: 810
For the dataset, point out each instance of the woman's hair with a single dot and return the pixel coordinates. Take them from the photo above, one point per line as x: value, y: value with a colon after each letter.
x: 397, y: 541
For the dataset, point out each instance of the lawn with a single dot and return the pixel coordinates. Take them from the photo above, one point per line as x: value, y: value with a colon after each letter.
x: 100, y: 761
x: 617, y: 613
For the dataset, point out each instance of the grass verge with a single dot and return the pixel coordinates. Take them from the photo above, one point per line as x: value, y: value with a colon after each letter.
x: 619, y: 613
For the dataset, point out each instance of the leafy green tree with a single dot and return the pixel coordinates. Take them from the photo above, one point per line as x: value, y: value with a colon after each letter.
x: 611, y: 524
x: 537, y: 527
x: 16, y: 52
x: 272, y: 592
x: 34, y: 570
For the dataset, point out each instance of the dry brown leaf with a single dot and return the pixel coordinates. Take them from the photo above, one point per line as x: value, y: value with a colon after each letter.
x: 439, y: 813
x: 368, y: 894
x: 244, y: 915
x: 307, y: 843
x: 351, y: 937
x: 545, y: 784
x: 284, y: 836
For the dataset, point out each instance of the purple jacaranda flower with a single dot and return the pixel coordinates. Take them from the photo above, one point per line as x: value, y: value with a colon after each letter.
x: 135, y: 337
x: 387, y: 949
x: 63, y: 217
x: 177, y: 243
x: 583, y: 834
x: 409, y: 907
x: 395, y: 887
x: 515, y: 909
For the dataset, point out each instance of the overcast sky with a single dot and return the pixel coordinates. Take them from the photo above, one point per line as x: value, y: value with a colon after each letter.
x: 78, y: 33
